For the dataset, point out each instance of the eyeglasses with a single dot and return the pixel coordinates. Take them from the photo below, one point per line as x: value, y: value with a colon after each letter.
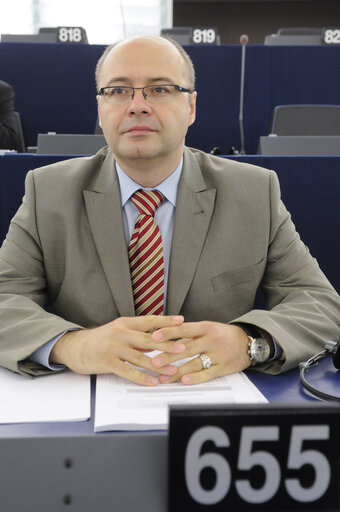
x: 153, y: 93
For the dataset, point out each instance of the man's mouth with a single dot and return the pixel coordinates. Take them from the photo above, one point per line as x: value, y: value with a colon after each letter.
x: 140, y: 130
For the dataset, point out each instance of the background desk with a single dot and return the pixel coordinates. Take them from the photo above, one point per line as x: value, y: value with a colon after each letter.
x: 44, y: 465
x: 58, y: 93
x: 310, y: 190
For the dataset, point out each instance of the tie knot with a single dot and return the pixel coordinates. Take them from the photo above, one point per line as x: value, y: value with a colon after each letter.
x: 147, y: 201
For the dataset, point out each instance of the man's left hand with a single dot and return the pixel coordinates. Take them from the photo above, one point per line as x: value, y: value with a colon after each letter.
x: 226, y: 346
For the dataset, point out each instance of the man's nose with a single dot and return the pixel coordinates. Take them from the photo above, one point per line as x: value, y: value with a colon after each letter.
x: 138, y: 103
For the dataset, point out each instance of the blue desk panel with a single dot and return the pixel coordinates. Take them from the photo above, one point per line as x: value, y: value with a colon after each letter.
x: 310, y: 190
x: 58, y: 92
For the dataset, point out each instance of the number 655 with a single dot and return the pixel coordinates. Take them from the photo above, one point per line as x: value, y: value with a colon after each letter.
x: 195, y: 462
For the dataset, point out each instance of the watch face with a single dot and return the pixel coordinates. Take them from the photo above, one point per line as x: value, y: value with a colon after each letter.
x: 260, y: 350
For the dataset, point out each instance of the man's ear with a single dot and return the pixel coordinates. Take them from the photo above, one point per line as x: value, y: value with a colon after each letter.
x: 192, y: 113
x: 99, y: 121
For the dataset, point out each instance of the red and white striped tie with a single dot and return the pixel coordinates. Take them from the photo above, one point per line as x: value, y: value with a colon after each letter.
x: 146, y: 255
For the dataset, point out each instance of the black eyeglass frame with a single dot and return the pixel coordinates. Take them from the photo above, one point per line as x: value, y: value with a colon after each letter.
x: 178, y: 88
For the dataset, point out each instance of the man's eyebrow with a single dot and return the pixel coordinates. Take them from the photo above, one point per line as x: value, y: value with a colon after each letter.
x: 162, y: 79
x: 126, y: 80
x: 118, y: 79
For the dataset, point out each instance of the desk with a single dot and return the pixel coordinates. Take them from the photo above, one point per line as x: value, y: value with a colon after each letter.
x: 43, y: 466
x: 310, y: 189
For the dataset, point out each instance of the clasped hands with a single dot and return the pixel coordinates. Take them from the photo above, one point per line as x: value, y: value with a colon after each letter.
x: 109, y: 349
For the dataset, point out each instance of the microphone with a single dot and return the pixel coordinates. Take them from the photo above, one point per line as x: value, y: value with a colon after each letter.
x: 243, y: 41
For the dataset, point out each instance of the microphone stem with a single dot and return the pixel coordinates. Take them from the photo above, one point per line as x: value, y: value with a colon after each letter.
x: 243, y: 60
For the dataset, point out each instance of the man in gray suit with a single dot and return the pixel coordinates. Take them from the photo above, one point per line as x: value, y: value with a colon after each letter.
x: 224, y: 230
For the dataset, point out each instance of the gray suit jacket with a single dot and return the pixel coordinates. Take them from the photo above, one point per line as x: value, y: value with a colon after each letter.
x: 232, y: 234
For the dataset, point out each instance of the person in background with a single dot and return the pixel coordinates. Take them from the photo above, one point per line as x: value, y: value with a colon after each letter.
x: 8, y: 122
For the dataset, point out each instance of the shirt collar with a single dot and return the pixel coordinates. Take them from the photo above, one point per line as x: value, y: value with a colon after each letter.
x: 168, y: 187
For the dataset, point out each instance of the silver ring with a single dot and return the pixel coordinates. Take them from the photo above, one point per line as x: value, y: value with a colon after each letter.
x: 206, y: 361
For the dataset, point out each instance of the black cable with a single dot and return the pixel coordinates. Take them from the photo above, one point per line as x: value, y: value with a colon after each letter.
x: 313, y: 361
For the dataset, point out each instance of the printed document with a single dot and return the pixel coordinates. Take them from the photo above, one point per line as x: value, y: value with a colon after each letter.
x: 62, y: 396
x: 123, y: 405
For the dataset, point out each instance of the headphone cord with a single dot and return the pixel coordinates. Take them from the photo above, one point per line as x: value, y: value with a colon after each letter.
x: 304, y: 367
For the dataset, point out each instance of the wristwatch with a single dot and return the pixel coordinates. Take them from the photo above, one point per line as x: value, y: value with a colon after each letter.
x: 260, y: 349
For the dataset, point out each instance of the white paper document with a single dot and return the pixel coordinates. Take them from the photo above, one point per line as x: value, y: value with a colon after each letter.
x: 62, y: 396
x: 123, y: 405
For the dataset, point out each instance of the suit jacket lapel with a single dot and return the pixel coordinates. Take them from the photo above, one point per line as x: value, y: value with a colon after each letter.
x: 103, y: 206
x: 194, y: 208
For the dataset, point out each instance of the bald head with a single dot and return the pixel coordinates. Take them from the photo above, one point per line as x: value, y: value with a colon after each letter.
x: 146, y: 41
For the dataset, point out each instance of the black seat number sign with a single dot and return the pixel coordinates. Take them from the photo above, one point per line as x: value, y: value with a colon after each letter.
x: 70, y: 34
x: 331, y: 36
x: 254, y: 458
x: 204, y: 35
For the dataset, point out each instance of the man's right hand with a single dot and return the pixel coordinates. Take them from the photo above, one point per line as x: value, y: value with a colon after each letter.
x: 108, y: 348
